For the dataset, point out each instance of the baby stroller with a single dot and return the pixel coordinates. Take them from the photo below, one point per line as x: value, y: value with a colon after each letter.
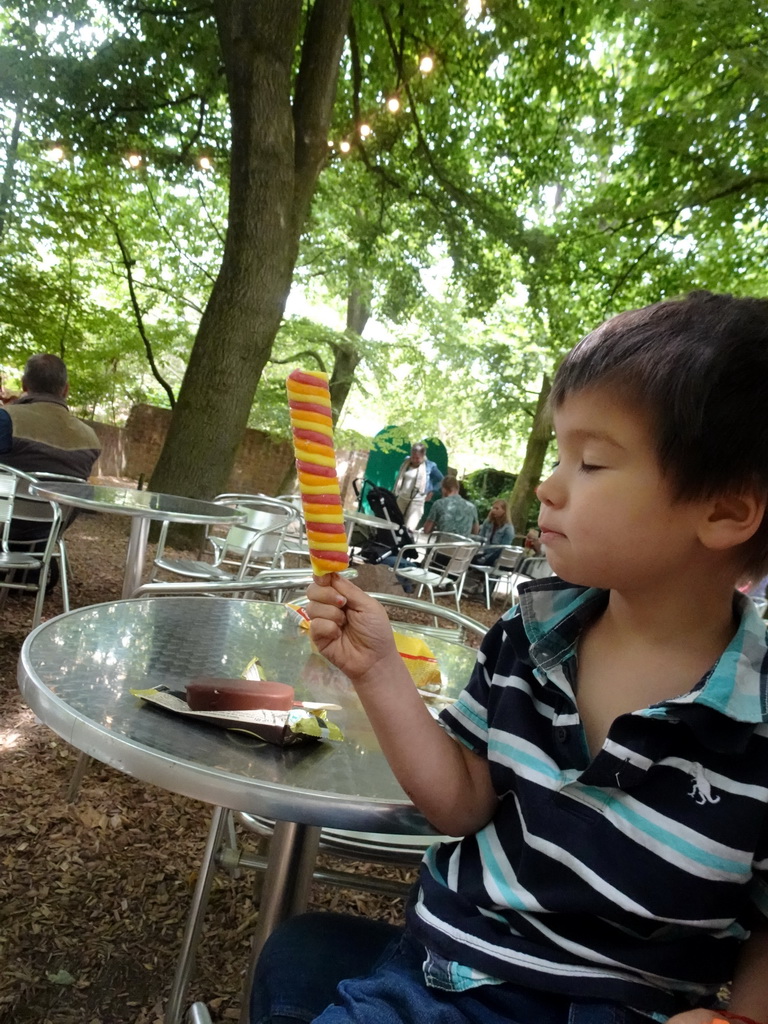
x: 383, y: 541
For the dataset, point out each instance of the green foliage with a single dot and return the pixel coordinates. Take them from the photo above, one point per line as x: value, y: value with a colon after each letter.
x: 558, y: 164
x: 485, y: 486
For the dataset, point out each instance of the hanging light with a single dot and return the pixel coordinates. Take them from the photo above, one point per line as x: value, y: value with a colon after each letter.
x: 56, y: 153
x: 205, y: 163
x: 344, y: 146
x: 364, y: 130
x: 426, y: 64
x: 133, y: 160
x: 393, y: 104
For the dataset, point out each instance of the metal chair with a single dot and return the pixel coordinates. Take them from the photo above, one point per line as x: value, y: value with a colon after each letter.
x: 198, y: 1014
x: 507, y: 561
x: 533, y: 568
x: 275, y: 582
x: 295, y: 542
x: 251, y: 546
x: 19, y: 556
x: 444, y: 567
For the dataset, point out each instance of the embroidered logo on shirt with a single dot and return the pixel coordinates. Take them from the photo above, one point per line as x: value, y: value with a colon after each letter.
x: 701, y: 791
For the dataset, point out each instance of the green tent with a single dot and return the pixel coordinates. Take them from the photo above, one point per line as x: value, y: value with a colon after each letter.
x: 390, y: 447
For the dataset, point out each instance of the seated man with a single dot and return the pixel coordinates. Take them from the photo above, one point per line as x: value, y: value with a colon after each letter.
x: 452, y: 513
x: 38, y: 434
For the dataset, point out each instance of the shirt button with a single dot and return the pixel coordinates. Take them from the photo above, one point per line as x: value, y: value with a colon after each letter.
x: 561, y: 734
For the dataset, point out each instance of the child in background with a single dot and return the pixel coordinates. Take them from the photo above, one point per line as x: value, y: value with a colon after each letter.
x: 608, y: 760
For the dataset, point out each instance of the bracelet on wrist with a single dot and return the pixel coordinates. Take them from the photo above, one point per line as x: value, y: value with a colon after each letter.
x: 735, y: 1017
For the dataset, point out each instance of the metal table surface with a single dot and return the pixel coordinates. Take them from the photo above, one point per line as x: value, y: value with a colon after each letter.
x: 76, y: 672
x: 143, y: 507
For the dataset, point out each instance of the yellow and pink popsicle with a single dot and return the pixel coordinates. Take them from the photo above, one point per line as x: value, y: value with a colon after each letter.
x: 309, y: 402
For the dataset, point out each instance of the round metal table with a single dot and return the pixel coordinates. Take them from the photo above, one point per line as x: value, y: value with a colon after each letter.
x: 143, y: 507
x: 76, y: 672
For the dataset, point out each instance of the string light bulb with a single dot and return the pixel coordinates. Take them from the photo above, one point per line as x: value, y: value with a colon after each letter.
x: 205, y: 163
x: 344, y: 146
x: 426, y: 64
x: 56, y: 153
x: 393, y: 104
x: 133, y: 160
x: 364, y: 130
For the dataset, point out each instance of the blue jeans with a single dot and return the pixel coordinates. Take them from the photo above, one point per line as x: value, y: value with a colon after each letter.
x: 340, y: 969
x: 403, y: 580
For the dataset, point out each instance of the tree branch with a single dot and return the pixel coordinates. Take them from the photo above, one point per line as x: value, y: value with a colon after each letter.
x: 314, y: 96
x: 297, y: 355
x: 169, y: 235
x: 128, y: 263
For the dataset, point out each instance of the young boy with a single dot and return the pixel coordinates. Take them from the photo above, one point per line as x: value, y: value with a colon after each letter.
x: 608, y: 760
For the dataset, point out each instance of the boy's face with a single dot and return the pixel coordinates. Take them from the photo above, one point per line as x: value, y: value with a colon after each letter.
x: 608, y: 517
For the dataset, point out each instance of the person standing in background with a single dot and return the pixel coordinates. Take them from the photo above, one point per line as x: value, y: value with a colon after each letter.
x: 417, y: 479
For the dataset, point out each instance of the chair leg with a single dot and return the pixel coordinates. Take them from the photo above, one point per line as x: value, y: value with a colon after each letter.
x: 40, y: 598
x: 64, y: 571
x: 194, y: 925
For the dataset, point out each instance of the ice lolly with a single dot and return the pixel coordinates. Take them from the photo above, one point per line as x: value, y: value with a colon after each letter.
x: 309, y: 402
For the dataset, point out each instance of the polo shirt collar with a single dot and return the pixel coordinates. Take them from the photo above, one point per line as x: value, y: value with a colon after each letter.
x: 555, y: 613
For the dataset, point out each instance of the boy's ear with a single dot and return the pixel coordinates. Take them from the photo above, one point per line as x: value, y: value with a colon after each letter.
x: 731, y: 520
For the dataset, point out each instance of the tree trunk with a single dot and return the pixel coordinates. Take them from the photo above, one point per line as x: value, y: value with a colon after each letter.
x: 347, y: 354
x: 528, y: 479
x: 278, y: 150
x: 9, y: 172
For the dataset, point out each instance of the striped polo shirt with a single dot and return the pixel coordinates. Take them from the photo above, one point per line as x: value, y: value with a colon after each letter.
x: 631, y: 877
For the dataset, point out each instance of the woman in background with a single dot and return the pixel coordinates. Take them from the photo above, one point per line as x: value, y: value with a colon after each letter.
x: 496, y: 532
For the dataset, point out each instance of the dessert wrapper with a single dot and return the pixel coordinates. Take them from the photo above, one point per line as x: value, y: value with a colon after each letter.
x: 420, y: 661
x: 283, y: 728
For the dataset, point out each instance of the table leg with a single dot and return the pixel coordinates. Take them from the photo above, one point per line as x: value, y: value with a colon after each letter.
x: 194, y: 925
x: 134, y: 556
x: 287, y: 881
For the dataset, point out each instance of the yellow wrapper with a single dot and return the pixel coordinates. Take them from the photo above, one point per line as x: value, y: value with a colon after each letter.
x: 419, y: 660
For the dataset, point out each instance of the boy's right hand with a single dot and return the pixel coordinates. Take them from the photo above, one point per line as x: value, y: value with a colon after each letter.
x: 349, y: 628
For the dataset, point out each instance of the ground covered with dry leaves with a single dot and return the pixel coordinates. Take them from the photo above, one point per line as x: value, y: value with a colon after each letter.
x: 94, y: 894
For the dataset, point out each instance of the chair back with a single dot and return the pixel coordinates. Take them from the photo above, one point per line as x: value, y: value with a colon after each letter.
x: 260, y: 537
x: 459, y: 556
x: 509, y: 558
x: 7, y: 494
x: 537, y: 568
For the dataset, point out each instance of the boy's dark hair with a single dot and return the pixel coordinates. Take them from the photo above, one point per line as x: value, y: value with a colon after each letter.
x: 699, y: 366
x: 45, y: 374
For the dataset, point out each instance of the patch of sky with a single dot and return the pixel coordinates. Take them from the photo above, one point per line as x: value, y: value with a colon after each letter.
x: 497, y: 69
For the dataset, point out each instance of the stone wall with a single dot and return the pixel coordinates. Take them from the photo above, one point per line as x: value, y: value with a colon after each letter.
x: 261, y: 464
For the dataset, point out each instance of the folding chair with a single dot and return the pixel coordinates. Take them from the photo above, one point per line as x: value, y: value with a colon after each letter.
x: 508, y: 560
x: 251, y: 546
x: 23, y: 566
x: 447, y: 579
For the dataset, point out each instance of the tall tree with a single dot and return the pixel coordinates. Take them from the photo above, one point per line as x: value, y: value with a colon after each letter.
x: 279, y: 145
